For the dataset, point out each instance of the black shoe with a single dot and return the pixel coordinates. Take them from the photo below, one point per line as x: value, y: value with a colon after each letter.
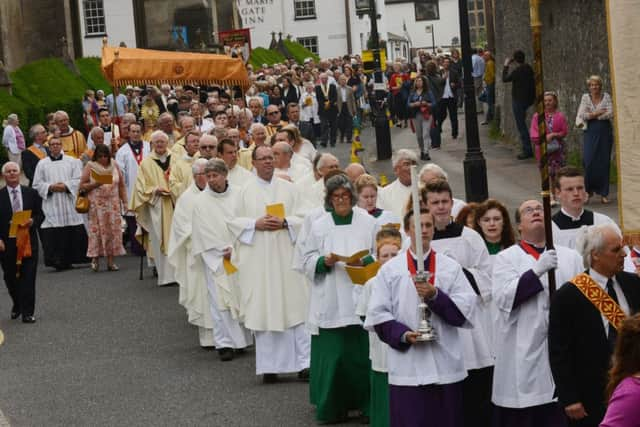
x: 454, y: 136
x: 523, y: 156
x: 15, y: 313
x: 225, y: 354
x: 425, y: 156
x: 484, y: 123
x: 323, y: 144
x: 28, y: 319
x: 304, y: 375
x: 269, y: 378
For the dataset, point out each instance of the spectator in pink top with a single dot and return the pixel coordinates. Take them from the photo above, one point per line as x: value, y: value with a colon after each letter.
x: 557, y: 130
x: 624, y: 378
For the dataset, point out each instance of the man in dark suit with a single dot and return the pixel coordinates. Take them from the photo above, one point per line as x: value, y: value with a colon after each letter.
x: 448, y: 103
x: 305, y: 128
x: 581, y: 338
x: 346, y: 109
x: 20, y: 280
x: 327, y: 97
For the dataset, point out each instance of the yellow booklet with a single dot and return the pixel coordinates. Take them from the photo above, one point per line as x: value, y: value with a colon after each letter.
x: 360, y: 275
x: 18, y: 218
x: 102, y: 179
x: 228, y: 267
x: 350, y: 259
x: 277, y: 209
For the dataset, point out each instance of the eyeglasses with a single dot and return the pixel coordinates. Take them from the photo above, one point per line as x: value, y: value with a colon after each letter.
x: 342, y: 197
x: 530, y: 210
x: 207, y: 147
x: 273, y: 113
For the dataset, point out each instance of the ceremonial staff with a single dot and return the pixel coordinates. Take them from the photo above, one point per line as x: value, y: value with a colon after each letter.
x: 536, y: 35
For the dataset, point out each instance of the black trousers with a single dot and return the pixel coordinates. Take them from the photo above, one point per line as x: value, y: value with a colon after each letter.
x: 329, y: 130
x: 345, y: 124
x: 21, y: 289
x: 64, y: 246
x: 476, y: 397
x: 449, y: 105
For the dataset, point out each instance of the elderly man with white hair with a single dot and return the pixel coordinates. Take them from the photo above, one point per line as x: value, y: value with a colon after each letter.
x: 585, y: 315
x: 284, y: 168
x: 432, y: 171
x: 213, y: 250
x: 189, y: 273
x: 394, y: 196
x: 313, y: 189
x: 258, y: 133
x: 13, y: 139
x: 153, y: 203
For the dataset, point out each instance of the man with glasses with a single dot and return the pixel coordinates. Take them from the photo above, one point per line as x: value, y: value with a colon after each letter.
x: 207, y: 146
x: 274, y: 298
x: 274, y: 124
x: 523, y: 388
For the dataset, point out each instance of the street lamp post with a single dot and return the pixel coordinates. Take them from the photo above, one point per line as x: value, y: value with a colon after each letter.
x: 475, y: 166
x: 378, y: 107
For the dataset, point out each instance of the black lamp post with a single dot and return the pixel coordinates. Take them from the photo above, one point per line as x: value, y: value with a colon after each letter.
x: 378, y: 107
x: 475, y: 166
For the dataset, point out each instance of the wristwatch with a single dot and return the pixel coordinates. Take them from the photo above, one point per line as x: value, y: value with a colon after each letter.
x: 285, y: 224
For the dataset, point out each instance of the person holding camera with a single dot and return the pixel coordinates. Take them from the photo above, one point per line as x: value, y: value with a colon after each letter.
x: 523, y: 95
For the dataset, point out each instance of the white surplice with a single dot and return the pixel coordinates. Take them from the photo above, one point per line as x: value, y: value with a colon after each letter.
x: 59, y: 208
x: 567, y: 237
x: 395, y: 298
x: 127, y: 163
x: 377, y: 349
x: 239, y: 176
x: 522, y: 374
x: 274, y: 296
x: 470, y: 251
x: 188, y: 271
x: 331, y: 304
x: 211, y: 237
x: 394, y: 198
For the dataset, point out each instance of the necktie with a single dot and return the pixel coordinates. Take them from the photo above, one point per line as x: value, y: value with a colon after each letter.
x: 613, y: 333
x: 15, y: 202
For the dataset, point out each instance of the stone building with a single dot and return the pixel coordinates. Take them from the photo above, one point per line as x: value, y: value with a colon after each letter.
x: 574, y: 46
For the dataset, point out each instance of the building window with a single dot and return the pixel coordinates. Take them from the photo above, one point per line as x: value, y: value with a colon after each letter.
x: 427, y: 10
x: 94, y: 23
x: 310, y: 43
x: 304, y: 9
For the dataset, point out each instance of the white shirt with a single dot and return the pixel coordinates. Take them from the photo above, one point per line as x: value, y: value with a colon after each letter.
x: 447, y: 89
x: 622, y: 300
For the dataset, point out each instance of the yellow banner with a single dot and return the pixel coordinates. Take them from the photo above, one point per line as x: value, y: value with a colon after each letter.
x: 622, y: 21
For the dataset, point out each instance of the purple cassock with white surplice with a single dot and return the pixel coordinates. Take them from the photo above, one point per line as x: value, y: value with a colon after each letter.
x: 424, y: 378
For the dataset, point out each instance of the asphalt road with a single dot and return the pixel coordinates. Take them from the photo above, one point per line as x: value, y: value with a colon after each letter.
x: 109, y: 349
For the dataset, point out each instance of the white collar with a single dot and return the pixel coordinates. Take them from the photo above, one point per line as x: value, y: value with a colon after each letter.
x: 573, y: 218
x: 600, y: 279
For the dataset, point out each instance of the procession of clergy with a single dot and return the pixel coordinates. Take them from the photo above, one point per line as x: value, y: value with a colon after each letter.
x: 265, y: 256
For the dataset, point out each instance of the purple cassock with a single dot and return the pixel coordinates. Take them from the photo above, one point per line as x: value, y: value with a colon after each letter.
x: 428, y: 405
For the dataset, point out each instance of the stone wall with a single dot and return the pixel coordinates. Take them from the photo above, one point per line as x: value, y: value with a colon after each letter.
x: 30, y: 30
x: 574, y: 46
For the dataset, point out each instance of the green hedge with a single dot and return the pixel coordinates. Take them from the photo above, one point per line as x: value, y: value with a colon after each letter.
x: 299, y: 52
x: 89, y: 69
x: 261, y: 56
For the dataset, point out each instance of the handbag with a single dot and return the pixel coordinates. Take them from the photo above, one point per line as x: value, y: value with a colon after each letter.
x: 82, y: 202
x: 553, y: 146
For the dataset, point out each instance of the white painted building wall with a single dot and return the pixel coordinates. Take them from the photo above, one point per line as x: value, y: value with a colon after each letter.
x: 119, y: 25
x: 445, y: 28
x: 264, y: 16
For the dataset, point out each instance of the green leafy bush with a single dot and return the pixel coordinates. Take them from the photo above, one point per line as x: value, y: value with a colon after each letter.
x: 89, y: 69
x: 299, y: 52
x: 261, y: 56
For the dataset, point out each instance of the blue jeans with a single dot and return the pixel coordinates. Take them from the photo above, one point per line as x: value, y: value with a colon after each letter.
x: 520, y: 116
x: 491, y: 102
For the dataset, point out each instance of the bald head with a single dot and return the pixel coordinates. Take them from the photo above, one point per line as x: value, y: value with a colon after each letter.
x: 354, y: 170
x: 327, y: 162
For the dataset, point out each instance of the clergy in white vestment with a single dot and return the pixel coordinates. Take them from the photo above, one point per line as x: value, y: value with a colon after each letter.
x: 432, y: 171
x: 523, y: 388
x: 467, y: 247
x: 63, y: 235
x: 181, y: 175
x: 237, y: 175
x: 110, y: 129
x: 632, y: 260
x: 394, y: 196
x: 313, y: 190
x: 187, y: 124
x: 284, y: 168
x: 302, y: 148
x: 367, y: 189
x: 207, y: 146
x: 153, y: 204
x: 129, y: 156
x: 354, y: 171
x: 274, y: 297
x: 189, y: 274
x: 213, y: 250
x: 388, y: 243
x: 570, y: 191
x: 339, y: 365
x: 425, y: 378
